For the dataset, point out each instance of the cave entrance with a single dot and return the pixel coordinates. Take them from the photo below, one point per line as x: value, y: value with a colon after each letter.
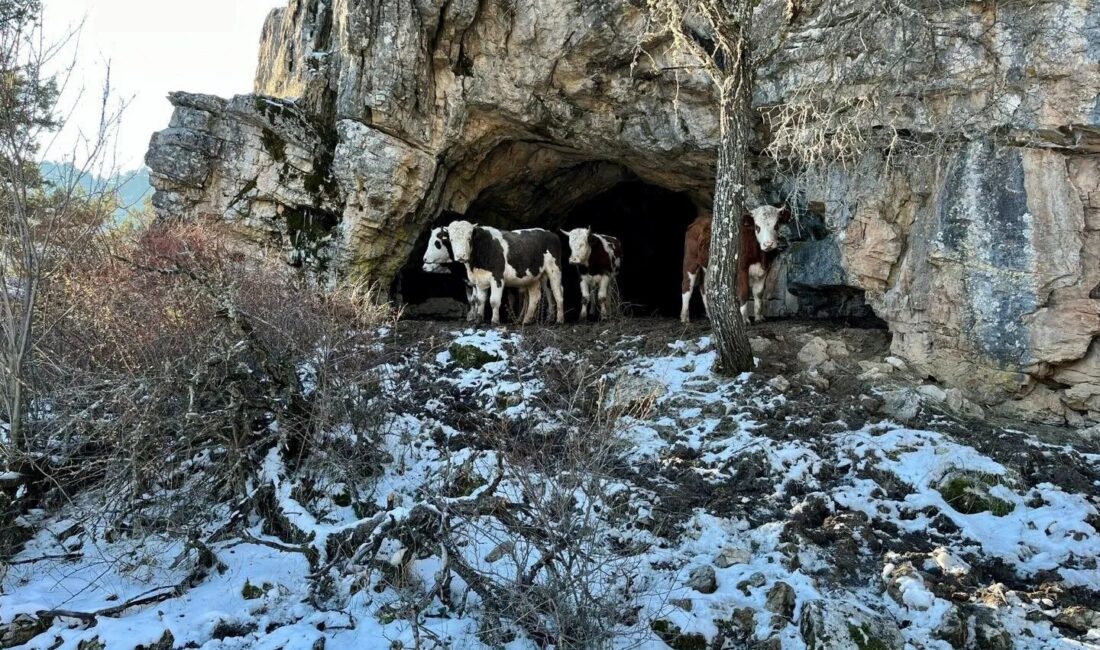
x: 649, y: 220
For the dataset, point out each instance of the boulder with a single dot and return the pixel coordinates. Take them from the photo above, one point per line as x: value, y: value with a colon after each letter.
x: 703, y: 579
x: 814, y: 353
x: 781, y: 600
x: 634, y: 391
x: 842, y: 624
x: 902, y: 404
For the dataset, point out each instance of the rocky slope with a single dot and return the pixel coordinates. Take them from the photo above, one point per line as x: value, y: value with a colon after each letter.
x: 612, y: 493
x: 373, y: 117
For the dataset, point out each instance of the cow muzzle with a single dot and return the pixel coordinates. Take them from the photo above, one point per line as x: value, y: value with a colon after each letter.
x: 768, y: 247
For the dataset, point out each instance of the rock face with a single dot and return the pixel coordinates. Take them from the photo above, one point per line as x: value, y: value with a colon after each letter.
x: 372, y: 118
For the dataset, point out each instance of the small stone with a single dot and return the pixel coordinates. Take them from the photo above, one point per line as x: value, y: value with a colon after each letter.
x: 780, y: 383
x: 932, y: 393
x: 756, y: 580
x: 958, y: 403
x: 1078, y: 618
x: 703, y: 579
x: 901, y: 403
x: 781, y: 600
x: 761, y: 345
x: 814, y: 353
x: 837, y: 349
x: 812, y: 378
x: 897, y: 363
x: 683, y: 603
x: 731, y: 556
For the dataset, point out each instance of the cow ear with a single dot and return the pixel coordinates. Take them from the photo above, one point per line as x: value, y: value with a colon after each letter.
x: 785, y: 213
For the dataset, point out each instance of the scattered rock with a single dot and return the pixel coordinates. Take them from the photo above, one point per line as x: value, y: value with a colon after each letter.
x: 685, y: 604
x: 166, y: 642
x: 948, y: 563
x: 780, y: 383
x: 760, y: 345
x: 251, y: 592
x: 812, y: 378
x: 633, y: 392
x: 959, y: 404
x: 906, y: 586
x: 470, y: 356
x: 756, y: 580
x: 435, y: 309
x: 837, y: 349
x: 22, y: 629
x: 781, y: 600
x: 932, y: 393
x: 902, y: 404
x: 1078, y: 618
x: 731, y: 556
x: 672, y: 636
x: 843, y: 625
x: 814, y: 353
x: 703, y: 580
x: 874, y: 371
x: 897, y: 363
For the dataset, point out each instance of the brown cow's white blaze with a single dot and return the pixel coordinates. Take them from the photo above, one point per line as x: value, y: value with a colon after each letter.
x: 598, y: 259
x: 757, y: 249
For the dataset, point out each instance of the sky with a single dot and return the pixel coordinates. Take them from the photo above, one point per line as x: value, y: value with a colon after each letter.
x: 154, y: 47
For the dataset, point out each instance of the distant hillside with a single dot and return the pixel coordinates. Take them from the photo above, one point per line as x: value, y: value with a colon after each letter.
x: 132, y: 187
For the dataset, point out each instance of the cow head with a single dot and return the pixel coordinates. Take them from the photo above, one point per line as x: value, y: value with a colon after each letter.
x: 765, y: 219
x: 439, y: 251
x: 579, y: 250
x: 461, y: 234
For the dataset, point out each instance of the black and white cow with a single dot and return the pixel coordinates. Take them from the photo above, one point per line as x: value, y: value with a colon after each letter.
x: 598, y: 258
x: 440, y: 258
x: 496, y: 259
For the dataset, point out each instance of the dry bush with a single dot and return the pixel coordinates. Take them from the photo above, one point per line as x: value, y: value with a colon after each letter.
x: 174, y: 365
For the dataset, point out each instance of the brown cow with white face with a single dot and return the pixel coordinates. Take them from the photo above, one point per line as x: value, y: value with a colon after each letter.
x: 757, y: 250
x: 696, y: 260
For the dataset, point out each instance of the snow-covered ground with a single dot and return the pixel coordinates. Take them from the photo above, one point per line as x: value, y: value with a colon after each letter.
x: 642, y: 494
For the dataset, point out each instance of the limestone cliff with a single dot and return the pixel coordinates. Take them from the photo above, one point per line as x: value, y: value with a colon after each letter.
x: 372, y: 117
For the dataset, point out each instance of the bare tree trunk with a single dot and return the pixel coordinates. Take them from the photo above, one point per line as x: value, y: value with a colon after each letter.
x: 735, y: 355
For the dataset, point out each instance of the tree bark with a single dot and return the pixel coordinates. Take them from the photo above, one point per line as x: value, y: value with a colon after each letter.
x: 735, y: 355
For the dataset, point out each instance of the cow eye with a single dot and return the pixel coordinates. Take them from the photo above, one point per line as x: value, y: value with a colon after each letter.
x: 438, y: 244
x: 758, y: 229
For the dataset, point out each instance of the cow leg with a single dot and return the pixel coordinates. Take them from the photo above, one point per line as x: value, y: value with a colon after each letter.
x: 605, y: 305
x: 586, y: 297
x: 685, y: 297
x: 472, y: 301
x: 534, y: 297
x: 757, y: 277
x: 553, y: 272
x: 496, y: 293
x: 703, y: 292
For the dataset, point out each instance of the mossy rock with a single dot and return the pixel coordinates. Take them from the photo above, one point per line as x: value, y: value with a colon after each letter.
x: 677, y: 640
x: 251, y: 592
x: 864, y: 638
x: 968, y: 493
x: 470, y: 356
x: 165, y: 642
x: 22, y: 629
x: 94, y: 643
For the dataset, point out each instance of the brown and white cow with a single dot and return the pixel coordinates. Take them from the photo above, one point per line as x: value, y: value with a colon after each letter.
x: 597, y: 258
x: 696, y: 260
x: 757, y: 250
x: 495, y: 259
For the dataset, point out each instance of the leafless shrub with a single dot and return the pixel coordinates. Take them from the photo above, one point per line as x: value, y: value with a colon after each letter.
x: 178, y: 363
